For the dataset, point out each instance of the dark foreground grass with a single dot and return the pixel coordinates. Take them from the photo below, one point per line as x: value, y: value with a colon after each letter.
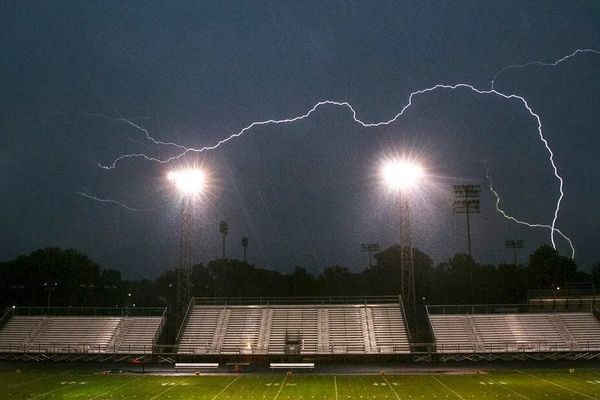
x: 526, y: 384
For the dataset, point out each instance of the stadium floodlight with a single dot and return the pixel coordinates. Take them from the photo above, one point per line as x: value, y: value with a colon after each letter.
x: 189, y: 181
x: 402, y: 174
x: 190, y: 184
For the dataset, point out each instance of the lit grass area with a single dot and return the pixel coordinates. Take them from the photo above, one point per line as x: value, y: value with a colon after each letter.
x: 527, y: 384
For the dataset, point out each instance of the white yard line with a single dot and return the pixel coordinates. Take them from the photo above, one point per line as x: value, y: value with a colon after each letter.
x: 448, y: 387
x: 564, y: 387
x: 169, y: 389
x: 118, y: 387
x: 391, y: 387
x: 225, y: 388
x: 335, y: 386
x: 509, y: 389
x: 280, y: 388
x: 37, y: 379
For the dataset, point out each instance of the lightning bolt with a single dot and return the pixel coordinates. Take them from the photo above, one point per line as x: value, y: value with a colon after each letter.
x: 88, y: 195
x: 492, y: 91
x: 520, y: 222
x: 542, y: 63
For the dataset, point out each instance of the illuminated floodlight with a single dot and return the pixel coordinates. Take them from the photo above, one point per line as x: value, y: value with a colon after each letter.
x: 402, y: 174
x: 190, y: 181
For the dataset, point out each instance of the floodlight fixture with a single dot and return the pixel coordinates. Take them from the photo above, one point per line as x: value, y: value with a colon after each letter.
x: 402, y: 174
x: 189, y: 181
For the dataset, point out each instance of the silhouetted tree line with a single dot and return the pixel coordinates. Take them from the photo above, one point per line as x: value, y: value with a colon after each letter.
x: 69, y: 278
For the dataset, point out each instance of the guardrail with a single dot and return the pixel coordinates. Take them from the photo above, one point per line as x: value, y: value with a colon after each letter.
x: 92, y: 311
x: 500, y: 309
x: 325, y: 300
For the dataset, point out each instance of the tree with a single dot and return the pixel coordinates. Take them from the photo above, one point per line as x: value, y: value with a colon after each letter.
x: 549, y: 269
x: 224, y: 229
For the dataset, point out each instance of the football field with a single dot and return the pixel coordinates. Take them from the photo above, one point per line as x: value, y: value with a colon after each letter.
x: 82, y: 384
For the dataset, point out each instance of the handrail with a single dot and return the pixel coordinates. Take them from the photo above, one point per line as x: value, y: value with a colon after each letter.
x: 185, y: 318
x: 296, y: 300
x: 6, y: 316
x: 91, y: 311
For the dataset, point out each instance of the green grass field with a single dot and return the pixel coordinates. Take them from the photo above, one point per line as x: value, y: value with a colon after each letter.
x: 526, y: 384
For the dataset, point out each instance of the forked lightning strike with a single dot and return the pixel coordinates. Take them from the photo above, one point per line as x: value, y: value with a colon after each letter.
x: 505, y: 215
x: 492, y: 91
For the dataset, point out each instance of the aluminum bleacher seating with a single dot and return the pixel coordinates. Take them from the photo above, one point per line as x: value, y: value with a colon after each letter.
x: 79, y: 334
x: 302, y: 329
x: 515, y: 332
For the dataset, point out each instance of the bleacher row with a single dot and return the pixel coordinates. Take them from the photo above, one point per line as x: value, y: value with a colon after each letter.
x: 305, y: 329
x: 69, y: 334
x: 348, y: 329
x: 526, y: 332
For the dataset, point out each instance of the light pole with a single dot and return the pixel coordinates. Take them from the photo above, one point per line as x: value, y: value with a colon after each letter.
x: 190, y: 184
x: 514, y: 245
x: 50, y: 286
x: 467, y: 202
x: 369, y: 248
x: 402, y: 176
x: 245, y: 246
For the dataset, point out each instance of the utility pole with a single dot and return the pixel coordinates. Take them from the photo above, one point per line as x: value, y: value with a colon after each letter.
x: 514, y: 245
x: 369, y: 248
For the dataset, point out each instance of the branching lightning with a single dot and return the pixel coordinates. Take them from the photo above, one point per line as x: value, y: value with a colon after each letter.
x: 492, y: 91
x: 542, y: 63
x: 520, y: 222
x: 116, y: 202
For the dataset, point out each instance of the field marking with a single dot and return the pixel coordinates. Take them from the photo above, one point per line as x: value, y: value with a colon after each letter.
x: 280, y: 388
x: 335, y: 386
x: 448, y: 387
x: 564, y: 387
x: 118, y: 387
x: 37, y: 379
x: 225, y: 388
x: 169, y: 389
x: 511, y: 390
x: 391, y: 387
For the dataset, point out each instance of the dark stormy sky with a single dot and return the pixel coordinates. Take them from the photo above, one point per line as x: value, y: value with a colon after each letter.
x: 307, y: 192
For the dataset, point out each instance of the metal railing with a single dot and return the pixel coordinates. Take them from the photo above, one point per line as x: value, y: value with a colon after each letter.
x: 499, y: 309
x: 92, y: 311
x: 314, y: 300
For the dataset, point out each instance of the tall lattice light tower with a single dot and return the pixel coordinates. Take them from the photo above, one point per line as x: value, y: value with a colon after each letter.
x: 189, y: 184
x: 402, y: 176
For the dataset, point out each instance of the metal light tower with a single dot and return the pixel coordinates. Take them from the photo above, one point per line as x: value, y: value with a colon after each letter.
x: 514, y: 245
x: 401, y: 176
x: 189, y: 183
x: 467, y: 202
x: 369, y: 248
x: 184, y: 270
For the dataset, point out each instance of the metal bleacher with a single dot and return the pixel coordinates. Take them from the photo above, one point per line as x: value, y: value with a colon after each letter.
x: 503, y: 329
x: 80, y: 334
x: 280, y: 328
